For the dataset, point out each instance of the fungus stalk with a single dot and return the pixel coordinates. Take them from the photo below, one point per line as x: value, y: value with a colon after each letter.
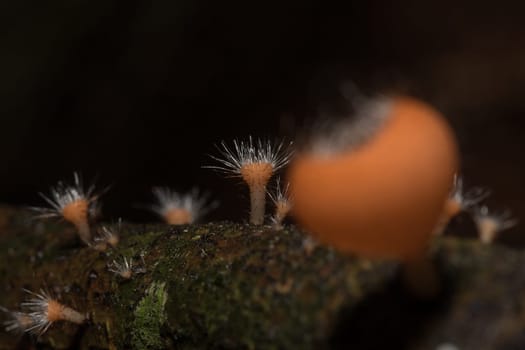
x: 257, y: 205
x: 257, y: 175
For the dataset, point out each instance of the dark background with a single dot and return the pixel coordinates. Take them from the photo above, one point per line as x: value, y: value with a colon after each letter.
x: 140, y: 91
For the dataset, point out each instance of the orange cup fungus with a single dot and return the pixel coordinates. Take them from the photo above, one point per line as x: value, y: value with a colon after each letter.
x: 383, y: 197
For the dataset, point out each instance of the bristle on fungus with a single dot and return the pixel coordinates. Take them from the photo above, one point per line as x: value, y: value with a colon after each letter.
x: 107, y: 237
x: 179, y: 209
x: 255, y: 162
x: 282, y: 202
x: 460, y: 200
x: 332, y: 137
x: 489, y: 225
x: 17, y: 322
x: 381, y: 195
x: 126, y: 269
x: 73, y: 203
x: 45, y: 310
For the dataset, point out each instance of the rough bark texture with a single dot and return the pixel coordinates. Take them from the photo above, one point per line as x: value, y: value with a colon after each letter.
x: 235, y: 286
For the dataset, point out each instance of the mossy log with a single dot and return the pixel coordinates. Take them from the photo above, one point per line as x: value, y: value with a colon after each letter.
x: 236, y: 286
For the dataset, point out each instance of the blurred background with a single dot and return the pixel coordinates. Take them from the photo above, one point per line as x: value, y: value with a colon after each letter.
x: 138, y: 92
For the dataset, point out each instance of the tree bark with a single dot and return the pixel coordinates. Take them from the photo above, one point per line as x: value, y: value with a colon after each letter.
x: 237, y: 286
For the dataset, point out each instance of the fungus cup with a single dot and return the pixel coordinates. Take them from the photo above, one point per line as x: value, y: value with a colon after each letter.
x: 380, y: 197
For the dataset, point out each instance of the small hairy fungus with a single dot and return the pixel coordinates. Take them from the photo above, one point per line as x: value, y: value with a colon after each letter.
x: 107, y: 237
x: 489, y: 224
x: 72, y: 203
x: 459, y: 201
x: 282, y: 202
x: 45, y: 310
x: 126, y: 268
x: 255, y: 162
x: 180, y: 209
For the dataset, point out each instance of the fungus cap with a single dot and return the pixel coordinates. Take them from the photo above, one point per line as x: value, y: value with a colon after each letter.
x: 384, y: 197
x: 76, y: 212
x: 178, y: 216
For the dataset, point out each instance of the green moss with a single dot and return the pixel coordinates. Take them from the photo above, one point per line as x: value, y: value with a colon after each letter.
x: 150, y: 316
